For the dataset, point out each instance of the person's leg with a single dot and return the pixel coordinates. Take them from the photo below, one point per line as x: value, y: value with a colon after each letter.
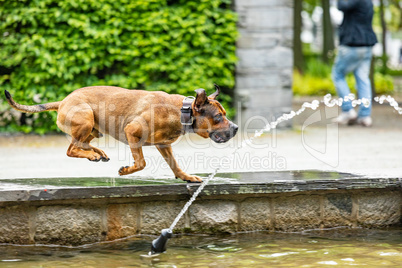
x: 363, y: 83
x: 345, y: 62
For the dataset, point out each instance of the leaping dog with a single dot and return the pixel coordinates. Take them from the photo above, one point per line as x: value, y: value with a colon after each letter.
x: 137, y: 118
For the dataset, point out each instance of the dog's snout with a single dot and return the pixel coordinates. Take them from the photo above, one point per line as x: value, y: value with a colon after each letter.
x: 220, y: 136
x: 234, y: 128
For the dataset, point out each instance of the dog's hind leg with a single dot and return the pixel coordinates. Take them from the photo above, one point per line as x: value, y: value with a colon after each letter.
x: 95, y: 134
x: 78, y: 122
x: 77, y: 150
x: 82, y: 149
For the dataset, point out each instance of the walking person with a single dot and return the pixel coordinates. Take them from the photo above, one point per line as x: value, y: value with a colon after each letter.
x: 356, y: 38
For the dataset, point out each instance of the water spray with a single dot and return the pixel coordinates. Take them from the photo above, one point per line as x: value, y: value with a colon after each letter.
x: 159, y: 244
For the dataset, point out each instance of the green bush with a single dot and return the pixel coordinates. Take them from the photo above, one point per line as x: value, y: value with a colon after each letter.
x: 308, y: 85
x: 318, y: 68
x: 383, y: 84
x: 395, y: 72
x: 51, y: 47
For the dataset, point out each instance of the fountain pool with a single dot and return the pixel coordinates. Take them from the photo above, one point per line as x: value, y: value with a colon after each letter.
x: 316, y: 248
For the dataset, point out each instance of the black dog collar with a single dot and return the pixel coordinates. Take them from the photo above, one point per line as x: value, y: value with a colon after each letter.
x: 186, y: 118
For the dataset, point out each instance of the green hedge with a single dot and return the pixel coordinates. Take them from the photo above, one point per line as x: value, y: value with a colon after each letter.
x: 52, y: 47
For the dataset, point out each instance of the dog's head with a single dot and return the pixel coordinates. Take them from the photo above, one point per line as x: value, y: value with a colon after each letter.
x: 210, y: 118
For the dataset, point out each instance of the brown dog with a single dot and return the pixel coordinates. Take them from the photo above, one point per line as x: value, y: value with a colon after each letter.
x: 137, y: 118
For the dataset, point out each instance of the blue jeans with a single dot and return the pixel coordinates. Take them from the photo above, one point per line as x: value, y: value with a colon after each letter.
x: 356, y: 60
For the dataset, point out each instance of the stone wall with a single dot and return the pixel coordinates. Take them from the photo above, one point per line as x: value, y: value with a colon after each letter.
x: 264, y: 71
x: 83, y: 221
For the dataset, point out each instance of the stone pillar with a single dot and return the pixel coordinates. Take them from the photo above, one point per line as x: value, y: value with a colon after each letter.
x: 264, y: 71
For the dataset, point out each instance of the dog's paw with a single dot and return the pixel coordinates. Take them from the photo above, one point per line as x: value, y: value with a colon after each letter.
x: 105, y: 159
x: 123, y: 170
x: 95, y: 158
x: 191, y: 179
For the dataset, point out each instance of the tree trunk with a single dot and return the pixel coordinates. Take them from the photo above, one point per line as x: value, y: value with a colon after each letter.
x: 400, y: 16
x: 298, y: 59
x: 328, y: 36
x: 384, y: 38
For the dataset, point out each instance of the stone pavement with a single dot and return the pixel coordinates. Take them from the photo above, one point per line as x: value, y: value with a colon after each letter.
x: 313, y: 143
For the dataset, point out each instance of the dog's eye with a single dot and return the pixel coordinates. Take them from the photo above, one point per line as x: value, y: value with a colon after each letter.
x: 218, y: 118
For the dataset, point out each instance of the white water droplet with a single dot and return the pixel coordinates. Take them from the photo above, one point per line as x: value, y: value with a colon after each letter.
x: 366, y: 102
x: 327, y: 97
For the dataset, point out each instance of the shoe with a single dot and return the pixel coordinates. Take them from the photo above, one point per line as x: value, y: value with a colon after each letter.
x: 365, y: 121
x: 346, y: 118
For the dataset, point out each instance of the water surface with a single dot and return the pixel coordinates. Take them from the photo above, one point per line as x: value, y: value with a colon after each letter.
x: 331, y: 248
x: 235, y: 177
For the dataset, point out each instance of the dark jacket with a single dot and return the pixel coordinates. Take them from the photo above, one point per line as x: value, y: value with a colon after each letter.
x: 356, y: 29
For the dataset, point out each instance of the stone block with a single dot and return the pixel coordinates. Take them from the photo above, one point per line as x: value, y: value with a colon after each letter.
x: 257, y: 3
x: 337, y: 210
x: 258, y: 40
x: 268, y: 18
x: 296, y: 213
x: 266, y: 98
x: 286, y: 79
x: 259, y: 80
x: 277, y: 58
x: 286, y: 38
x: 122, y: 220
x: 14, y: 225
x: 262, y: 3
x: 157, y: 215
x: 69, y: 225
x: 378, y: 209
x: 214, y: 216
x: 255, y: 214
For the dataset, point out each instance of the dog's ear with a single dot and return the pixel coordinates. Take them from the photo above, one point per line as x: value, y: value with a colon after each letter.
x: 216, y: 93
x: 201, y: 99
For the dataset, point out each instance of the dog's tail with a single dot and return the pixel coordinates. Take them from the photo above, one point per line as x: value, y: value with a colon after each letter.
x: 51, y: 106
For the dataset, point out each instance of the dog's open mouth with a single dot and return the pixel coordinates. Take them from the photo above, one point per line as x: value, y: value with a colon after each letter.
x: 219, y: 137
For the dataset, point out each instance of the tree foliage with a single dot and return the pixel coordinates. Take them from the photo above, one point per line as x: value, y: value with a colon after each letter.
x: 51, y: 47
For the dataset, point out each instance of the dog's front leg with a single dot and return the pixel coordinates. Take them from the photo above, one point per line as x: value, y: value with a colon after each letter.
x: 136, y: 150
x: 167, y: 153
